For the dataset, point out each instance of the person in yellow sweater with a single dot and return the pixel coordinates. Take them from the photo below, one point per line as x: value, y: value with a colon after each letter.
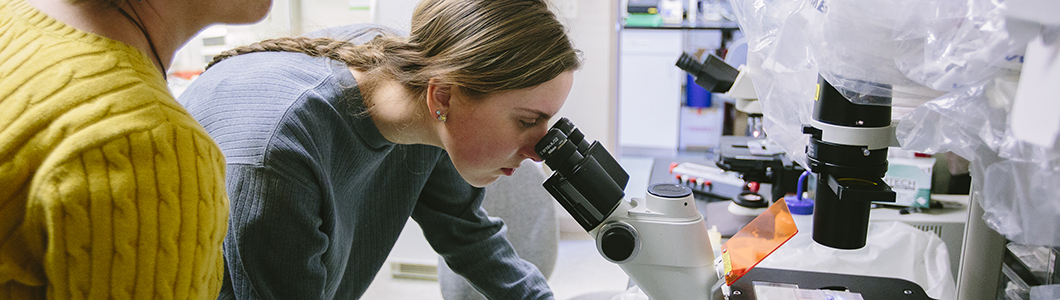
x: 108, y: 188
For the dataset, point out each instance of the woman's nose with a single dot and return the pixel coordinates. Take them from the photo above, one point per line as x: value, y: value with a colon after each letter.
x: 528, y: 146
x: 528, y: 152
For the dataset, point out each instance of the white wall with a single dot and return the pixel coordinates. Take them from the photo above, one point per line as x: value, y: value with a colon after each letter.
x: 592, y: 105
x: 394, y: 13
x: 320, y: 14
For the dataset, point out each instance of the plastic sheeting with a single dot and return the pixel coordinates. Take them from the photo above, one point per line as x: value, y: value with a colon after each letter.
x: 953, y: 64
x: 1045, y: 292
x: 892, y: 249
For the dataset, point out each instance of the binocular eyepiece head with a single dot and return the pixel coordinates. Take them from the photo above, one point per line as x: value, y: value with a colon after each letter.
x: 588, y: 180
x: 562, y: 132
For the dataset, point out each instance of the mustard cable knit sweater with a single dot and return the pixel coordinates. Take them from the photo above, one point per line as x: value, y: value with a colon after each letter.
x: 108, y: 188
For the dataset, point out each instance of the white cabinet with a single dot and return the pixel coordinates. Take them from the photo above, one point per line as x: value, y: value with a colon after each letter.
x: 649, y: 85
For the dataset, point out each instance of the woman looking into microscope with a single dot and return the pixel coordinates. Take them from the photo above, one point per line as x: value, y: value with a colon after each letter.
x: 332, y: 145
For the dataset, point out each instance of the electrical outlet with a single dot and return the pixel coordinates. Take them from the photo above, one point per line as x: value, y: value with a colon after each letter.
x: 566, y: 8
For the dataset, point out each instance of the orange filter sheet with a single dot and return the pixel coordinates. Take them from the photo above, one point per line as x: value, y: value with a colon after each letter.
x: 758, y: 239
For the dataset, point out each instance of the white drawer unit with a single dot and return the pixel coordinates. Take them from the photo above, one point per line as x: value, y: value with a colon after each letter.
x: 649, y: 82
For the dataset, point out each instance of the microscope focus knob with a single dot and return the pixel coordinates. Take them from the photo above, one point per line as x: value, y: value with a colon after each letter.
x: 618, y: 242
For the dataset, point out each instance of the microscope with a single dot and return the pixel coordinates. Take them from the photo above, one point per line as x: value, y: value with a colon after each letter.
x: 754, y: 157
x: 848, y: 152
x: 660, y: 240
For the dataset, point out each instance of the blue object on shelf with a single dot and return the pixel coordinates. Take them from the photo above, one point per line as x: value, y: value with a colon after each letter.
x: 695, y: 95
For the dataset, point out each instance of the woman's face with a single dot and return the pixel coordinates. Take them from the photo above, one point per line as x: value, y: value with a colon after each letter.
x: 490, y: 137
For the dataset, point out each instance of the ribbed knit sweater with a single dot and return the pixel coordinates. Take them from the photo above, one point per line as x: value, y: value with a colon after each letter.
x: 108, y: 188
x: 319, y: 196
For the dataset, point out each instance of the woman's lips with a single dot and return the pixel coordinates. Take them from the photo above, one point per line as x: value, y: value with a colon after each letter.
x: 508, y: 171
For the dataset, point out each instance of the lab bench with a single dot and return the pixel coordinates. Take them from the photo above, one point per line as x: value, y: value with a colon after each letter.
x: 947, y: 223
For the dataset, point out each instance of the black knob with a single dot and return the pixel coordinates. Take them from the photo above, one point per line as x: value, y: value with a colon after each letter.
x: 617, y: 243
x: 750, y: 200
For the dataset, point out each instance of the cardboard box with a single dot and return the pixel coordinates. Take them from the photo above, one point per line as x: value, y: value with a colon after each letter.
x: 910, y: 178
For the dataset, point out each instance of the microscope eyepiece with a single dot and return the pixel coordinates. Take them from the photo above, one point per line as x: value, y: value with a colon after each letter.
x: 713, y: 74
x: 558, y: 152
x: 574, y: 135
x: 564, y: 125
x: 588, y: 181
x: 550, y: 143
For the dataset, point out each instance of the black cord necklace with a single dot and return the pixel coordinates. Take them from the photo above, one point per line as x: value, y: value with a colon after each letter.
x: 147, y: 36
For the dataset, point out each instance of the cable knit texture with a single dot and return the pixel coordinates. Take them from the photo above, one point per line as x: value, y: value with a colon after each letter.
x: 108, y: 188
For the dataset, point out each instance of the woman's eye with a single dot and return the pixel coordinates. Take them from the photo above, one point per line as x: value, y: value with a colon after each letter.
x: 528, y: 124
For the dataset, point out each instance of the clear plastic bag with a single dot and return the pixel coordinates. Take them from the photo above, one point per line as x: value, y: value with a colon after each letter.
x: 951, y: 45
x: 1045, y: 292
x: 954, y: 63
x: 855, y: 49
x: 1016, y: 182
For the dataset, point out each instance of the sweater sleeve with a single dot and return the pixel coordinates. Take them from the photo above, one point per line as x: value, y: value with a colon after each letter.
x: 275, y: 245
x: 474, y: 245
x: 138, y: 216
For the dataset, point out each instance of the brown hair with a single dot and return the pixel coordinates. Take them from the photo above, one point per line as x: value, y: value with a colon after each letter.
x: 480, y: 46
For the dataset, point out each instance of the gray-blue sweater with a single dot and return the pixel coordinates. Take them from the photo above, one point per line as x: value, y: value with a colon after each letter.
x: 318, y: 196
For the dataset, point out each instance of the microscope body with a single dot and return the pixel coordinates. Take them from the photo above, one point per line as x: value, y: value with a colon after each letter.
x: 661, y: 242
x: 848, y: 151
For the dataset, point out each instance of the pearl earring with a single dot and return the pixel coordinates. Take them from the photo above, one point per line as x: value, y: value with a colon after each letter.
x: 441, y: 117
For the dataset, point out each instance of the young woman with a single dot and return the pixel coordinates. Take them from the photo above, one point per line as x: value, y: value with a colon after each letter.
x: 333, y: 144
x: 108, y: 188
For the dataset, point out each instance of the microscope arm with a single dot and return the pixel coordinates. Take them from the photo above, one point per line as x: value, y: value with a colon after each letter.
x: 660, y: 241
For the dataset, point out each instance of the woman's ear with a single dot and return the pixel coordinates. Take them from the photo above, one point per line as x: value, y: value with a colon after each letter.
x: 438, y: 96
